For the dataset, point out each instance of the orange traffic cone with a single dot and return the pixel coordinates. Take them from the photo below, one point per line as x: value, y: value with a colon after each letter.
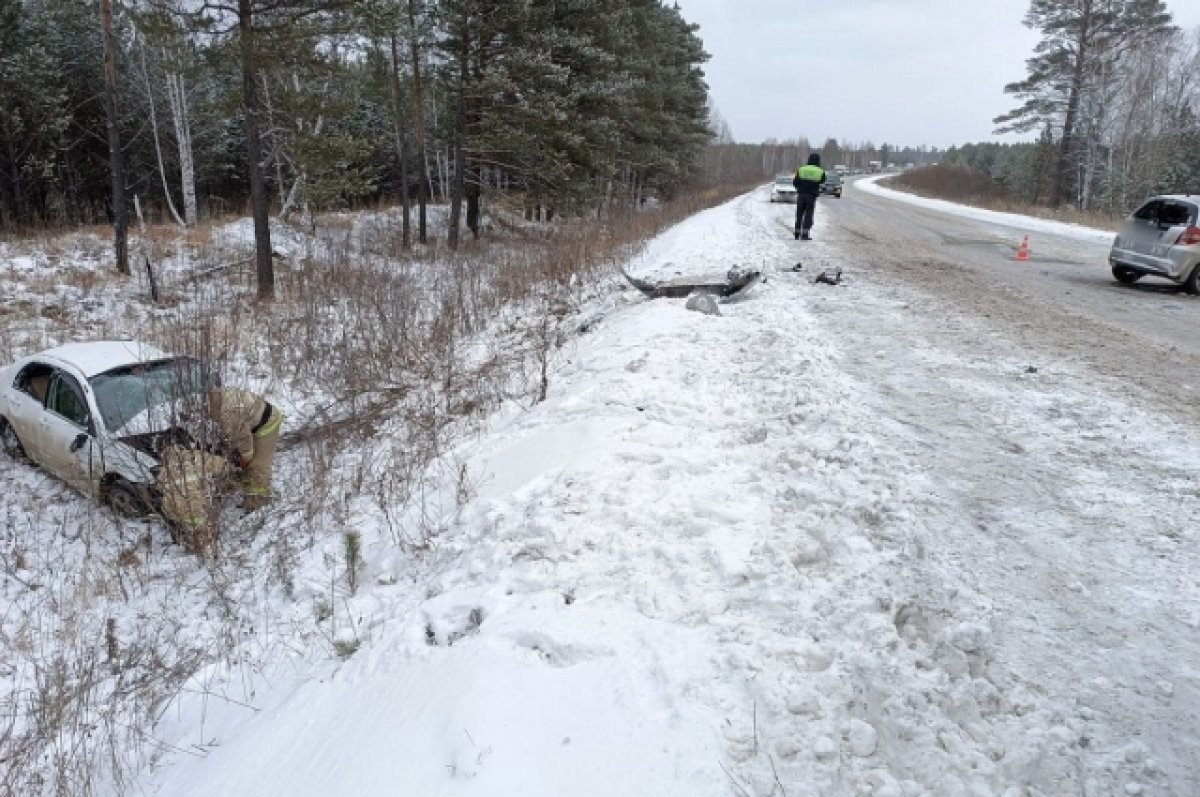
x: 1023, y: 251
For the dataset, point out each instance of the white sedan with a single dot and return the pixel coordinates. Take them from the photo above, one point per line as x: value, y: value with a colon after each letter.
x: 96, y: 415
x: 783, y: 190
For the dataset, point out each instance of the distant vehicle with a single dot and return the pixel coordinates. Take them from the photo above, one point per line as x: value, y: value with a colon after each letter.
x: 832, y: 184
x: 783, y: 190
x: 875, y: 166
x: 1160, y: 239
x: 96, y: 415
x: 842, y: 169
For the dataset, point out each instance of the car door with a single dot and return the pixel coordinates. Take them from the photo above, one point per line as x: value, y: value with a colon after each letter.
x: 67, y: 416
x: 27, y: 405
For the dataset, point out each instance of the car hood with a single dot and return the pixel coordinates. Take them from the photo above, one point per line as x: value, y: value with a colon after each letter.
x: 152, y: 420
x: 782, y: 188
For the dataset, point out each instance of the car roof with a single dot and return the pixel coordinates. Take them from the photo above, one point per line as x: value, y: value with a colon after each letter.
x: 1193, y: 199
x: 96, y: 357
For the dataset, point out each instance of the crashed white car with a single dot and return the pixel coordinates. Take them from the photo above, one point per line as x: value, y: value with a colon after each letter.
x: 97, y: 415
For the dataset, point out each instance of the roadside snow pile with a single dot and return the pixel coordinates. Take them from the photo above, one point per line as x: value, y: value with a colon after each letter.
x: 704, y: 565
x: 871, y: 185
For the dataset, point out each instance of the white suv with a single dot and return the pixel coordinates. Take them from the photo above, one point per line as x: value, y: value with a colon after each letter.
x: 96, y: 415
x: 1160, y: 239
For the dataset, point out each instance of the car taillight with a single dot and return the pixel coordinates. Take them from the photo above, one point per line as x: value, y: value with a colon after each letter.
x: 1190, y: 237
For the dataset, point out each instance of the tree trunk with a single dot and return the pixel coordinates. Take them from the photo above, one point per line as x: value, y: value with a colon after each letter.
x: 473, y: 192
x: 419, y: 113
x: 115, y: 160
x: 460, y: 132
x: 472, y: 123
x: 1065, y: 168
x: 162, y: 169
x: 401, y: 144
x: 183, y: 137
x: 293, y: 195
x: 264, y: 268
x: 18, y: 190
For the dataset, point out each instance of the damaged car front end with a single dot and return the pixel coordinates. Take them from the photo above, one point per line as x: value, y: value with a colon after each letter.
x: 101, y: 415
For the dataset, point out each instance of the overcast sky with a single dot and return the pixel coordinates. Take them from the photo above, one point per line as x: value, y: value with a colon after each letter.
x: 907, y: 72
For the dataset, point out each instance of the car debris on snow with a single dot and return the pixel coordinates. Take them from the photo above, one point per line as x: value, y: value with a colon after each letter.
x: 736, y: 281
x: 829, y: 277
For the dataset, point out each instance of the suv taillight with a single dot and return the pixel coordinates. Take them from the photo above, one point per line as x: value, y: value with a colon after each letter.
x: 1190, y: 237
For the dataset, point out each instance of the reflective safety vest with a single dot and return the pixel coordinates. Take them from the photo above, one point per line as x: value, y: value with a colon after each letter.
x: 811, y: 173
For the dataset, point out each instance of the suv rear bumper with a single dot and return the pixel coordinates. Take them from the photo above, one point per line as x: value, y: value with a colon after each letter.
x: 1142, y: 268
x: 1176, y: 266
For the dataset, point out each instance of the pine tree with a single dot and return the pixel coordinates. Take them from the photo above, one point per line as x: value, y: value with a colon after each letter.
x: 259, y: 27
x: 120, y: 211
x: 35, y: 119
x: 1081, y: 40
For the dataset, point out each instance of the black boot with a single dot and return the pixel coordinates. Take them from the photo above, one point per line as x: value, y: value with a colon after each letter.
x: 797, y: 235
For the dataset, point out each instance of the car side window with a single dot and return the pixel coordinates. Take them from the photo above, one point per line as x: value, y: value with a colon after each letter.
x: 34, y: 381
x: 1175, y: 214
x: 66, y: 399
x: 1148, y: 211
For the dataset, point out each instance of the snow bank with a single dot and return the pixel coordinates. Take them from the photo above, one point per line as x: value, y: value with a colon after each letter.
x: 870, y: 185
x: 714, y: 561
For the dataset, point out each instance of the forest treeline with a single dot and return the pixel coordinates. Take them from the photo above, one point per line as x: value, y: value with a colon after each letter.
x: 350, y: 102
x: 1113, y: 90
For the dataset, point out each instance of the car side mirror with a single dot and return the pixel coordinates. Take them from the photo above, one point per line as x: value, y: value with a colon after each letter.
x: 79, y: 442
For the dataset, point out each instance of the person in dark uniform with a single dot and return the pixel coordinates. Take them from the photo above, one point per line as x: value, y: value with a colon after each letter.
x: 807, y: 181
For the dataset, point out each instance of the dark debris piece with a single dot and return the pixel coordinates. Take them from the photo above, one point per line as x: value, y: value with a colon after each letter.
x: 829, y: 277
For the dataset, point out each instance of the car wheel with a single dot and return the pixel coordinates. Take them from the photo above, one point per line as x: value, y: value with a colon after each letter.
x: 10, y: 442
x: 126, y: 501
x: 1192, y: 283
x: 1125, y: 275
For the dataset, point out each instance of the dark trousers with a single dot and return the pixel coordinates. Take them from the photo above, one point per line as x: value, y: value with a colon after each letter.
x: 806, y: 205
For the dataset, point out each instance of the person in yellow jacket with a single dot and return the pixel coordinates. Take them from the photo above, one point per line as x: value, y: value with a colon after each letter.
x: 807, y: 181
x: 190, y: 481
x: 249, y: 427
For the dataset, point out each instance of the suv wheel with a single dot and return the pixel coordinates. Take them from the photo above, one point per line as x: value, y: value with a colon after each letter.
x: 10, y: 442
x: 126, y: 501
x: 1192, y: 283
x: 1126, y: 275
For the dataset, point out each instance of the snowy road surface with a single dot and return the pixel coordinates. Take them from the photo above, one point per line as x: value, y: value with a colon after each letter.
x: 924, y: 533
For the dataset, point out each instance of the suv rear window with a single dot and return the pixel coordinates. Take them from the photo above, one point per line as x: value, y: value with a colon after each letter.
x: 1176, y: 214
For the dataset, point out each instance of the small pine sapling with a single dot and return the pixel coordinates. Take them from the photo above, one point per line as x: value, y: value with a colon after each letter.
x: 352, y: 554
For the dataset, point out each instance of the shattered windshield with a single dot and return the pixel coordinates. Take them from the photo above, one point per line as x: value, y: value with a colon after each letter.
x: 124, y: 393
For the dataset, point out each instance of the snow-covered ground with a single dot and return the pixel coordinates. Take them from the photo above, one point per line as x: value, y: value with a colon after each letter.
x: 1030, y: 224
x: 833, y: 542
x: 745, y: 555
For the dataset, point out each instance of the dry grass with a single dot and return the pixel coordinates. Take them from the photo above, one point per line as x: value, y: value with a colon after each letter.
x: 406, y: 351
x: 974, y: 188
